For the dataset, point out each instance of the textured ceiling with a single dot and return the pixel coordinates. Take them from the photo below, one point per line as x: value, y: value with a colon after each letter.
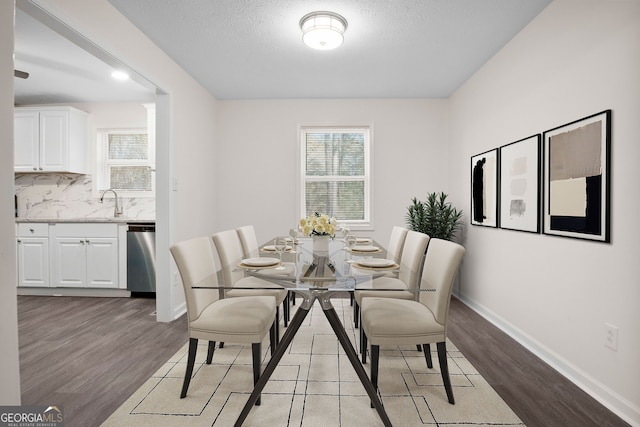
x: 252, y: 49
x: 242, y: 49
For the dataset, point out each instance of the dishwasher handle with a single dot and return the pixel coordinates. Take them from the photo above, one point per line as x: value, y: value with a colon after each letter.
x: 145, y: 228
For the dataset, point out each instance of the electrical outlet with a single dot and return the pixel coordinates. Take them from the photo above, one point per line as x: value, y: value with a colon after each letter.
x: 611, y: 336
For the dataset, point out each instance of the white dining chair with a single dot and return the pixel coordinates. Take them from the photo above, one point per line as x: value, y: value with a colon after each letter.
x: 230, y: 251
x: 396, y: 243
x: 249, y: 241
x: 251, y: 249
x: 394, y: 253
x: 241, y: 320
x: 413, y: 250
x: 391, y: 321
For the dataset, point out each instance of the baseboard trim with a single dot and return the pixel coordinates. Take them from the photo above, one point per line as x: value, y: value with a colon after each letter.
x: 620, y: 406
x: 179, y: 310
x: 75, y: 292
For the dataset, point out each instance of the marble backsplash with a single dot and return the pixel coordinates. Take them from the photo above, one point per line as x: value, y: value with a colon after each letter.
x: 70, y: 196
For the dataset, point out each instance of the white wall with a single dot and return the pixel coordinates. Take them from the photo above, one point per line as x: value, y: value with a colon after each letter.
x: 185, y: 138
x: 554, y: 294
x: 10, y: 372
x: 258, y: 157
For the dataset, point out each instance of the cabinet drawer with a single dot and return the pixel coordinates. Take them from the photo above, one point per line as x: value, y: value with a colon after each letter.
x: 33, y: 229
x: 86, y: 230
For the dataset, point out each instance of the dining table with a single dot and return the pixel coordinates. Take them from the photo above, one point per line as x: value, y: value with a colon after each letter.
x: 318, y: 277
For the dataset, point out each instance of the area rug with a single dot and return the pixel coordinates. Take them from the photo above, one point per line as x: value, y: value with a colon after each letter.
x: 314, y: 385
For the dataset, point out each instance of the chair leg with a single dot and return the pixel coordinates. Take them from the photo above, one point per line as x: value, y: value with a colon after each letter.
x: 363, y: 346
x: 277, y: 324
x: 375, y: 357
x: 293, y: 297
x: 221, y: 345
x: 193, y: 346
x: 351, y: 299
x: 210, y: 350
x: 444, y: 369
x: 363, y: 343
x: 418, y: 347
x: 427, y: 355
x: 256, y: 350
x: 272, y: 337
x: 285, y: 310
x: 356, y: 314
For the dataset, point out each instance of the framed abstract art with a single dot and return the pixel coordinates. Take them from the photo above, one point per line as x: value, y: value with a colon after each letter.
x: 484, y: 189
x: 520, y: 185
x: 577, y: 169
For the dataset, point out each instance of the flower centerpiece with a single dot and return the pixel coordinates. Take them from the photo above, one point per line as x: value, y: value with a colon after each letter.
x: 318, y: 225
x: 322, y: 228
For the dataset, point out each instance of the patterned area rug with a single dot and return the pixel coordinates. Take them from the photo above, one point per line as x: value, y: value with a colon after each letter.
x: 315, y: 385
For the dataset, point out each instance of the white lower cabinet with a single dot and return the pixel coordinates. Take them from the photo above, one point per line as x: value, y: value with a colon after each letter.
x: 33, y: 255
x: 84, y: 256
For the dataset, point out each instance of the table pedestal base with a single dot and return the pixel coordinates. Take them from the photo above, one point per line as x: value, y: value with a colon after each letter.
x: 323, y: 297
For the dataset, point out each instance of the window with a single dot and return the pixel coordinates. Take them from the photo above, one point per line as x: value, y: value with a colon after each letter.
x: 336, y: 174
x: 126, y: 162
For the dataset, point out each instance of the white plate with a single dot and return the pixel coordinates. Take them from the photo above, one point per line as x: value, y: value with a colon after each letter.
x: 365, y: 248
x: 260, y: 262
x: 272, y: 248
x: 375, y: 262
x: 363, y: 240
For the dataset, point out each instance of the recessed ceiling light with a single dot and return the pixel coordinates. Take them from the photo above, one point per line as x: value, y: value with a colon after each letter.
x: 120, y: 75
x: 323, y: 30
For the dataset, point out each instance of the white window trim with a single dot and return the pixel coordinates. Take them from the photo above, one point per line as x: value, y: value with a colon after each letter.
x: 367, y: 223
x: 101, y: 176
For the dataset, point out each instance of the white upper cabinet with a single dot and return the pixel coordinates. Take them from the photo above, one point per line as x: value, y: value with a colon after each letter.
x: 50, y: 139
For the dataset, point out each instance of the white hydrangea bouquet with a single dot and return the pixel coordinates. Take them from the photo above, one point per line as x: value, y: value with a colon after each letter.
x: 318, y: 225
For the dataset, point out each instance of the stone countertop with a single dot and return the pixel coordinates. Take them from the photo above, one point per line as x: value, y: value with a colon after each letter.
x: 85, y: 220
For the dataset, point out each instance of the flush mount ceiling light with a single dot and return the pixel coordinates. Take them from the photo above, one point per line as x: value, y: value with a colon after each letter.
x: 323, y: 30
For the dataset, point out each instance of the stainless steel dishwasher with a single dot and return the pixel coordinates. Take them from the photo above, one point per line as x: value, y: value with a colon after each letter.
x: 141, y: 258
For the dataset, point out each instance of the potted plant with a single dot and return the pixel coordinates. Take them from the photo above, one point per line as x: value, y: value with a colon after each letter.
x: 434, y: 217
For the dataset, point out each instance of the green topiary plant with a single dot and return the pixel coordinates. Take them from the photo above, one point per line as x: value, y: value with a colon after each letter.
x: 434, y: 217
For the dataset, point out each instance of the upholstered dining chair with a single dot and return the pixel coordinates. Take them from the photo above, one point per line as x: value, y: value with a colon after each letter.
x: 413, y: 250
x: 241, y: 320
x: 251, y: 248
x: 394, y: 251
x: 391, y: 321
x: 396, y: 243
x: 230, y: 251
x: 249, y: 241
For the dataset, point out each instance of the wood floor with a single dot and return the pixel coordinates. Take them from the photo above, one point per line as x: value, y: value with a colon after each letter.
x: 90, y: 354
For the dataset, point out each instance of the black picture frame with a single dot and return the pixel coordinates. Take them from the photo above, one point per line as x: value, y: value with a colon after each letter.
x: 520, y: 186
x: 484, y: 189
x: 577, y: 179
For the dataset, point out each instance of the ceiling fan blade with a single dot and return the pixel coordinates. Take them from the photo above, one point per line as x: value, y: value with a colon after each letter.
x: 20, y: 74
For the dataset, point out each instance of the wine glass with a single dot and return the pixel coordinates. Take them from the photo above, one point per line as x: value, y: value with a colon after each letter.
x: 350, y: 241
x: 295, y: 235
x: 345, y: 233
x: 280, y: 245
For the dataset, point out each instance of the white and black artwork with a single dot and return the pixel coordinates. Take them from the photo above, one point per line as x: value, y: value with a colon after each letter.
x: 576, y: 178
x: 484, y: 189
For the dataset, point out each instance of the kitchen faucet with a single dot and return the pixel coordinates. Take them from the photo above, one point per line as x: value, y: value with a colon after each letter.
x: 117, y: 210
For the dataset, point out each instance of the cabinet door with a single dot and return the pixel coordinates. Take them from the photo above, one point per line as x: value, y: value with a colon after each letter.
x: 33, y: 261
x: 54, y: 141
x: 26, y: 141
x: 102, y: 262
x: 69, y: 262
